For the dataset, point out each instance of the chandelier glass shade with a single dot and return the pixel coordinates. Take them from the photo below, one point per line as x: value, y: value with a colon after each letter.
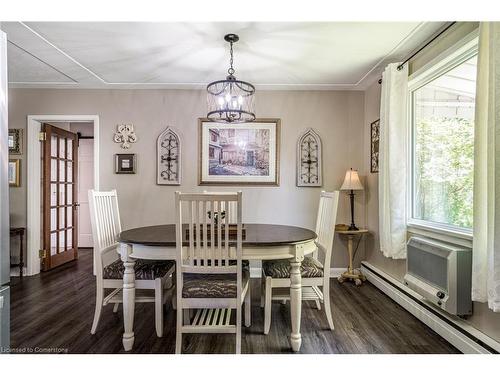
x: 230, y: 100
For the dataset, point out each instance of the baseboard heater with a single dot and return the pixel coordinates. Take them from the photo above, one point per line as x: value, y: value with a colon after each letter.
x: 464, y: 337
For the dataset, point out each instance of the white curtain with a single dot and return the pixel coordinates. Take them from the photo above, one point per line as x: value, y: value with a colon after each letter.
x: 392, y: 162
x: 486, y: 247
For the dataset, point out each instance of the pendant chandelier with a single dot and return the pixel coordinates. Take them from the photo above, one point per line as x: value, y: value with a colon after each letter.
x: 230, y: 100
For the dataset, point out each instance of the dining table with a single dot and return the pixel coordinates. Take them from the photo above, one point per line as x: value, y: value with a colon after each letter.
x: 260, y: 242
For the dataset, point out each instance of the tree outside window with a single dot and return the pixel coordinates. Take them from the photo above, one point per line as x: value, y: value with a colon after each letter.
x: 443, y: 147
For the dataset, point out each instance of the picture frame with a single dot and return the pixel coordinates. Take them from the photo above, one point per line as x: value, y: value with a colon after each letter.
x: 15, y: 141
x: 125, y: 163
x: 14, y: 172
x: 374, y: 145
x: 239, y: 153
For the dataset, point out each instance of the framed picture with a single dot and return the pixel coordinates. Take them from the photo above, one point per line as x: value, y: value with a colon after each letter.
x: 125, y: 163
x: 375, y: 142
x: 16, y: 141
x: 14, y: 172
x: 239, y: 154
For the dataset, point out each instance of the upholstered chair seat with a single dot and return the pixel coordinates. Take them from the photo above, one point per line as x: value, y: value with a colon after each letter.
x: 144, y: 269
x: 280, y: 269
x: 211, y: 286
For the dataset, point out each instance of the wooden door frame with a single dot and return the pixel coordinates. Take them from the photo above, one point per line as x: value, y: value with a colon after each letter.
x: 33, y: 186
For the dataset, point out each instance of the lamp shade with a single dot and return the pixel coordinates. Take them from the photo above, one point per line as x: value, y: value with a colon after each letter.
x: 351, y: 181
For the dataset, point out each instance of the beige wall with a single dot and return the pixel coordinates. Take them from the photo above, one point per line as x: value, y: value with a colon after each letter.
x: 336, y: 115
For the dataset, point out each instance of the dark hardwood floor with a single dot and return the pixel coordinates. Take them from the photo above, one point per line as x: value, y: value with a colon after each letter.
x: 54, y: 310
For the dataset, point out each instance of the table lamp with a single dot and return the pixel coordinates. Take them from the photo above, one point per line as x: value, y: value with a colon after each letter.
x: 352, y: 182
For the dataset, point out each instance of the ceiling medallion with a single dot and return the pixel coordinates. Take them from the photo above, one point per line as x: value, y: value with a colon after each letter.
x: 230, y: 100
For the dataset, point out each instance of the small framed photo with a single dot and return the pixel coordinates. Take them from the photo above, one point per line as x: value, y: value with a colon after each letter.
x: 16, y: 141
x: 375, y: 142
x: 14, y: 172
x: 125, y: 163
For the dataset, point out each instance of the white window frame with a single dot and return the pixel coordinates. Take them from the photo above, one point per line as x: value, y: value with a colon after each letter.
x: 444, y: 62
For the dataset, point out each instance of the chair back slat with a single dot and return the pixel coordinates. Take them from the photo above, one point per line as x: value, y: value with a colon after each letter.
x: 205, y: 251
x: 325, y: 223
x: 226, y: 232
x: 205, y: 244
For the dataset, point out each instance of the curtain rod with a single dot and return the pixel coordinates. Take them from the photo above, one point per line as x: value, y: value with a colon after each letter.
x: 400, y: 66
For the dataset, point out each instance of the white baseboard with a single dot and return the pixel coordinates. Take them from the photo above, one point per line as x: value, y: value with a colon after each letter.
x: 336, y: 272
x: 433, y: 318
x: 14, y: 271
x: 255, y: 272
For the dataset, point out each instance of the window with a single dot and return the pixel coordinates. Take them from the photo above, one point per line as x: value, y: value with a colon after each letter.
x: 442, y: 113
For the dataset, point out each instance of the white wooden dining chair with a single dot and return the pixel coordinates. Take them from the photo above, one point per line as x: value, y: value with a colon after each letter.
x: 276, y: 273
x: 109, y: 269
x: 210, y: 276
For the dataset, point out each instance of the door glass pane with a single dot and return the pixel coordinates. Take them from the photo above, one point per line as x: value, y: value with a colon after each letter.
x: 70, y: 149
x: 62, y: 195
x: 53, y: 169
x: 70, y: 193
x: 61, y: 241
x: 53, y: 223
x: 62, y: 147
x: 62, y: 212
x: 69, y: 178
x: 53, y: 146
x: 69, y: 215
x: 62, y: 166
x: 53, y: 194
x: 69, y: 237
x: 53, y: 237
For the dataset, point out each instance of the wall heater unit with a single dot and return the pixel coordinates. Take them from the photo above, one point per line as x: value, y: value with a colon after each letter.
x: 441, y: 273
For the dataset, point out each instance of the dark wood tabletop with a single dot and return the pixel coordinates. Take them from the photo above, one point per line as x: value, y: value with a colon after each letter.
x: 255, y: 235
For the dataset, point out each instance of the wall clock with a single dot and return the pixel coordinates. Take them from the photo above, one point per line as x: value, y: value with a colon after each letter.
x: 168, y: 158
x: 309, y: 163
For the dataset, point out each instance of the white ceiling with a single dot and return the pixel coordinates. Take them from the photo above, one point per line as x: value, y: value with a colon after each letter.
x: 334, y: 55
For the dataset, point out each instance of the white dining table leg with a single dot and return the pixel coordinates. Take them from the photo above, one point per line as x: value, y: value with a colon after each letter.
x: 296, y: 297
x: 128, y: 296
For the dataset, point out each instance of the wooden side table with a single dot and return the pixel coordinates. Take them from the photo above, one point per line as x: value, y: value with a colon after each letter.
x: 351, y: 273
x: 19, y: 232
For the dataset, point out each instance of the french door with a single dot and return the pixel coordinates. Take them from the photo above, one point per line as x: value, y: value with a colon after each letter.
x: 59, y: 196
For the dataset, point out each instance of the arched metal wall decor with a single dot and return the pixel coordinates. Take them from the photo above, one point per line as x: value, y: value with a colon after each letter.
x: 309, y: 159
x: 168, y: 158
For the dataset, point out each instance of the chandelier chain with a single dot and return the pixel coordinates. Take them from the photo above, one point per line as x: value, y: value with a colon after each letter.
x: 231, y: 69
